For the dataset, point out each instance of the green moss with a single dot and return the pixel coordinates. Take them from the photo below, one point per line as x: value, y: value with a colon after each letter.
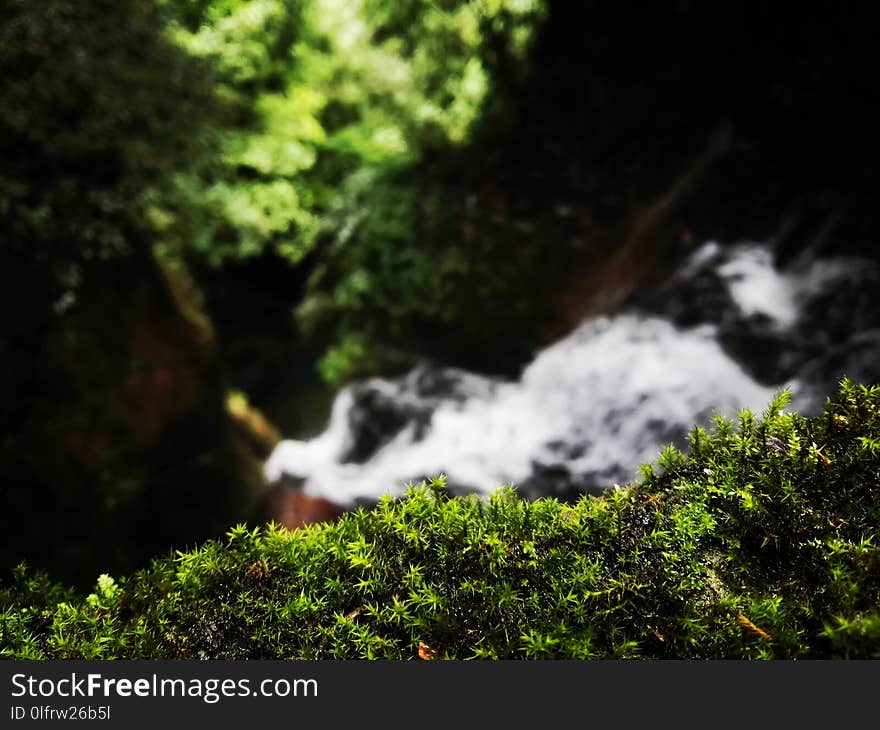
x: 762, y: 542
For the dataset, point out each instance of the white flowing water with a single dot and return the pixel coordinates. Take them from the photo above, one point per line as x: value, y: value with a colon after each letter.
x: 597, y: 404
x: 758, y: 287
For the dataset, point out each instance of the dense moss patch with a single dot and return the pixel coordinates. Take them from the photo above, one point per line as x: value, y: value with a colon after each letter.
x: 761, y: 542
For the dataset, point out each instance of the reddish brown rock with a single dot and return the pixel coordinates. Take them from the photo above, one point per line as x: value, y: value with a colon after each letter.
x: 292, y: 508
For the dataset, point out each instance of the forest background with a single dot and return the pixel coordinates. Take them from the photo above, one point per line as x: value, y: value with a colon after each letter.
x: 270, y: 198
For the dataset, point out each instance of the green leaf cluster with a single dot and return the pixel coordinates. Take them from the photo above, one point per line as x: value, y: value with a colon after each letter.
x: 324, y: 90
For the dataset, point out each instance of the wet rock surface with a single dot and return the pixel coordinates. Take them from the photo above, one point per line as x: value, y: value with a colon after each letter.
x: 811, y: 323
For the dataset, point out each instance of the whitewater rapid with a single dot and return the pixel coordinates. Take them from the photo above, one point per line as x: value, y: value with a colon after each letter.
x: 588, y: 410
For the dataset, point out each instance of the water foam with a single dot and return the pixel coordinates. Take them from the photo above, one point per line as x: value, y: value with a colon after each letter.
x: 594, y: 405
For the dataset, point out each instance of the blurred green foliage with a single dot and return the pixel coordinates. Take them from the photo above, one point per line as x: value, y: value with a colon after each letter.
x: 141, y: 141
x: 105, y: 356
x: 218, y: 130
x: 338, y: 101
x: 98, y: 108
x: 385, y: 151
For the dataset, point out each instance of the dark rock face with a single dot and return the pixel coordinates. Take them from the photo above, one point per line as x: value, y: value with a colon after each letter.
x: 702, y: 299
x: 127, y: 449
x: 556, y: 480
x: 837, y: 298
x: 858, y: 358
x: 381, y: 409
x: 376, y: 417
x: 766, y: 353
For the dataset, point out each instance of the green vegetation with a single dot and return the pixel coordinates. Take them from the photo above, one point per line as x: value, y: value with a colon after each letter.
x: 107, y: 354
x: 762, y: 542
x: 94, y: 99
x: 215, y: 209
x: 150, y: 148
x: 335, y: 104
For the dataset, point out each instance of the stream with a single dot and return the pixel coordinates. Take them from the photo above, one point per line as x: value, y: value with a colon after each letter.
x: 730, y: 331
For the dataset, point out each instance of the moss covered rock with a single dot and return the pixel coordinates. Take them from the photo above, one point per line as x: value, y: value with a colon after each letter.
x: 762, y: 542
